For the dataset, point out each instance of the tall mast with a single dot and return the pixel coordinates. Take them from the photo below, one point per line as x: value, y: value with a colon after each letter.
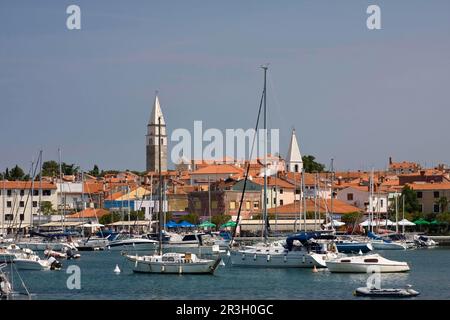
x: 40, y: 190
x: 160, y: 185
x: 31, y: 193
x: 332, y: 194
x: 403, y: 211
x: 304, y: 199
x: 3, y: 205
x: 63, y: 202
x: 265, y: 67
x: 396, y: 213
x: 315, y: 202
x: 371, y: 202
x: 83, y: 203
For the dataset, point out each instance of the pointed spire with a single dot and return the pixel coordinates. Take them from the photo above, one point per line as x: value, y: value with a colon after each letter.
x: 294, y: 157
x: 156, y: 112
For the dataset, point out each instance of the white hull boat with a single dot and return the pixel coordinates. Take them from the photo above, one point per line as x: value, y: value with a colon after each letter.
x: 92, y: 244
x: 383, y: 245
x: 33, y: 262
x: 173, y: 263
x: 42, y: 246
x: 373, y: 263
x: 289, y: 259
x: 275, y: 255
x: 134, y: 244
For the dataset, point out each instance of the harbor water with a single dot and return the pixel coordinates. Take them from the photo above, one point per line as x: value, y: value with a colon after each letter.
x: 429, y: 274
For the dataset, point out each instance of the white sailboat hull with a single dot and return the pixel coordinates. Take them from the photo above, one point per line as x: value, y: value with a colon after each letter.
x: 140, y: 265
x: 133, y: 245
x: 289, y: 260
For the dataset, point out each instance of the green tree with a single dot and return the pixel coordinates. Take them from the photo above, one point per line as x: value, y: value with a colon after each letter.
x: 110, y: 218
x: 220, y: 219
x: 17, y: 174
x: 50, y: 169
x: 95, y: 171
x: 137, y: 215
x: 47, y: 208
x: 443, y: 204
x: 411, y: 203
x: 310, y: 165
x: 351, y: 218
x: 443, y: 217
x: 192, y: 218
x: 69, y: 169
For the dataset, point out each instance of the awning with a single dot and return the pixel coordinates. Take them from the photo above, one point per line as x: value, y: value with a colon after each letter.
x: 405, y: 222
x: 62, y: 224
x: 335, y: 224
x: 139, y: 223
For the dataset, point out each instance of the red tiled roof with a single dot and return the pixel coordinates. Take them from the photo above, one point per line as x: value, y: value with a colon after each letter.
x: 218, y: 169
x: 429, y: 186
x: 89, y: 213
x: 26, y: 185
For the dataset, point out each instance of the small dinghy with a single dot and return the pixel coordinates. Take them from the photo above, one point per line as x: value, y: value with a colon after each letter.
x: 386, y: 292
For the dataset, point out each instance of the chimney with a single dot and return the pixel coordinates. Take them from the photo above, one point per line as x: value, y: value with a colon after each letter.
x: 390, y: 160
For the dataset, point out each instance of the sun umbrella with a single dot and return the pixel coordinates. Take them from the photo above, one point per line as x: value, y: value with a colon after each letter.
x: 92, y: 225
x: 421, y: 221
x: 171, y: 224
x: 386, y: 222
x: 207, y: 224
x: 406, y: 222
x: 367, y: 223
x: 228, y: 224
x: 185, y: 224
x: 335, y: 224
x: 435, y: 222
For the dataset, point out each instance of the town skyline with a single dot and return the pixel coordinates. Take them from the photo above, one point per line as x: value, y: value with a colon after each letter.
x: 352, y: 94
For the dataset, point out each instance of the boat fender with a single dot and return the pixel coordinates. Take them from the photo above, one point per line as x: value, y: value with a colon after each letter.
x: 180, y: 270
x: 268, y: 257
x: 285, y: 258
x: 243, y: 256
x: 303, y: 259
x: 254, y: 257
x: 163, y: 269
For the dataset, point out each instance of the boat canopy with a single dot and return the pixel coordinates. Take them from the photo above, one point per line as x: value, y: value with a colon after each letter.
x: 303, y: 237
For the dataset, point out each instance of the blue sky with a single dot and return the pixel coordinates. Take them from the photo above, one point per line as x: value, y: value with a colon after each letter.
x: 357, y: 95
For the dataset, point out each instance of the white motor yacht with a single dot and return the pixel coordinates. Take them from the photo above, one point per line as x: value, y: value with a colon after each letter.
x: 125, y: 242
x: 373, y: 263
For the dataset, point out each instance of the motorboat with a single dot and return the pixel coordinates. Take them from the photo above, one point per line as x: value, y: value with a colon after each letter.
x: 173, y: 263
x: 424, y: 242
x: 125, y: 242
x: 299, y: 251
x: 55, y: 254
x: 198, y: 243
x: 373, y: 263
x: 39, y: 245
x: 92, y: 244
x: 33, y: 262
x: 389, y: 242
x: 386, y: 292
x: 8, y: 253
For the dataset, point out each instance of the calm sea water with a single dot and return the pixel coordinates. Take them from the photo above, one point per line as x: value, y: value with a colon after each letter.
x: 429, y: 275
